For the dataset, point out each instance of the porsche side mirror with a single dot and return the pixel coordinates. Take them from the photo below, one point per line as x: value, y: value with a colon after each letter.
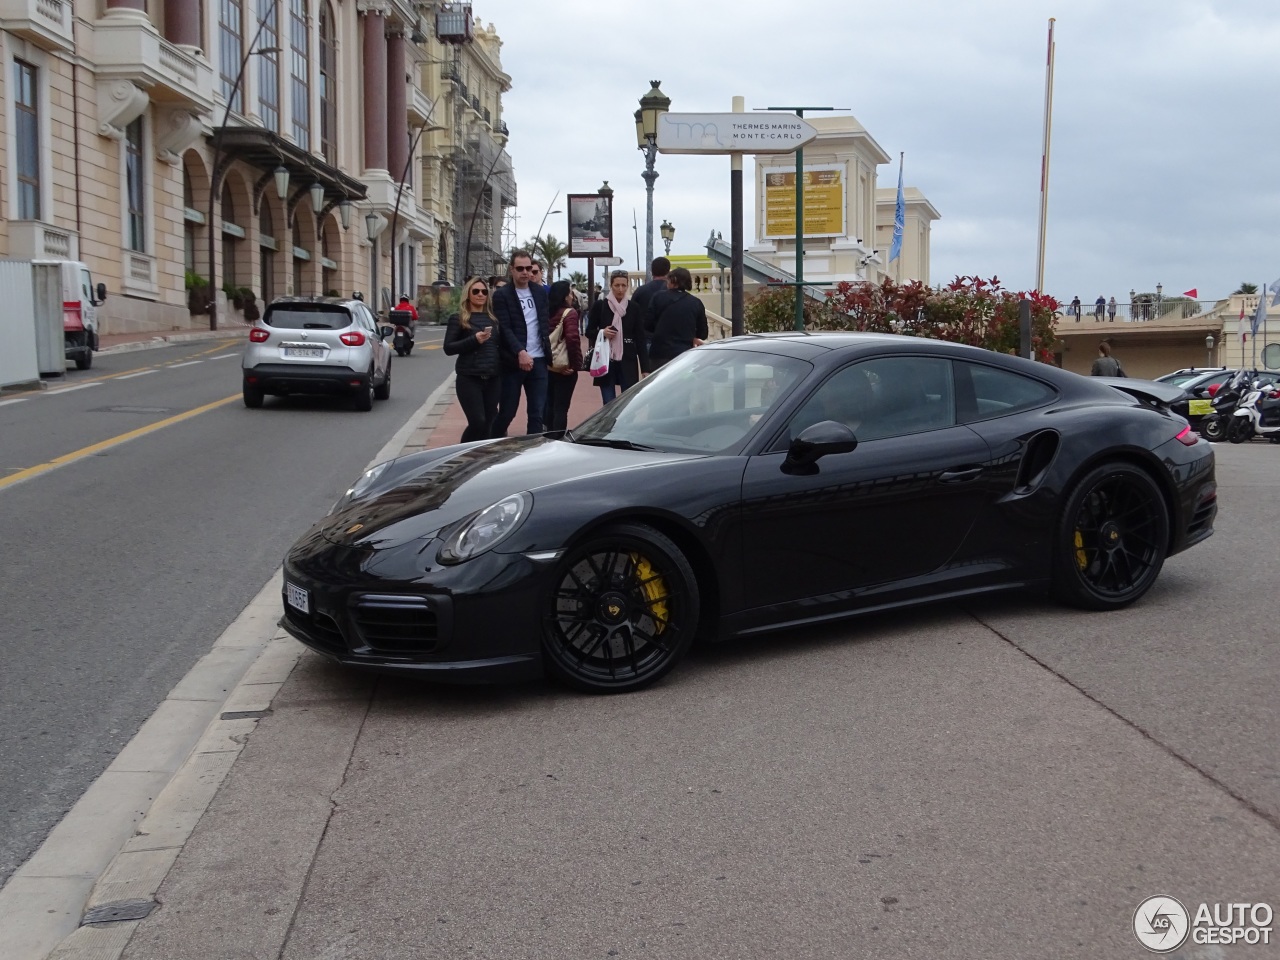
x: 814, y: 443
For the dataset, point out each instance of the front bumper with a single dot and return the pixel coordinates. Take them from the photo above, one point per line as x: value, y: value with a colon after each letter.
x: 306, y: 378
x: 476, y: 622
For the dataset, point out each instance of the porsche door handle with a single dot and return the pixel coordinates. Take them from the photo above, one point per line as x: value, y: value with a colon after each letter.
x: 960, y: 475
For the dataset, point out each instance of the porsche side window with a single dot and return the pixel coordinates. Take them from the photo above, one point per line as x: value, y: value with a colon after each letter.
x: 998, y: 393
x: 885, y: 397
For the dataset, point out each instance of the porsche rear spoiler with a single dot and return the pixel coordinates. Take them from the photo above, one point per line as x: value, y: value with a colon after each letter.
x: 1158, y: 395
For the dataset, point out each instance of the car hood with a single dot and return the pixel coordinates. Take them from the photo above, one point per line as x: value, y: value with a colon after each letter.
x: 422, y: 501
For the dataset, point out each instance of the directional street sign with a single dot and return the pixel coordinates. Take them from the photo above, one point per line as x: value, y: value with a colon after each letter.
x: 732, y: 133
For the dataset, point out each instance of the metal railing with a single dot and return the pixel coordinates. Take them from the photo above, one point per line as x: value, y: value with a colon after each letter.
x: 1139, y: 310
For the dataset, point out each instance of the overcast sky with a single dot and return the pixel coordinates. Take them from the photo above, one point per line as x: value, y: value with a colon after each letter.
x: 1164, y: 164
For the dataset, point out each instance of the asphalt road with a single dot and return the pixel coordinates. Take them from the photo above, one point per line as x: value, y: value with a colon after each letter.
x: 119, y: 568
x: 1001, y: 779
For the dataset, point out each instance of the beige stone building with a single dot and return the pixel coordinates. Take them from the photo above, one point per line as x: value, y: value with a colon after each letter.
x: 848, y: 218
x: 284, y: 146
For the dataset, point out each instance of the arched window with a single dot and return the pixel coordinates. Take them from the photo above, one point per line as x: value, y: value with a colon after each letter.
x: 230, y: 49
x: 228, y: 238
x: 266, y: 251
x: 269, y: 64
x: 328, y: 85
x: 188, y: 225
x: 298, y: 262
x: 299, y: 80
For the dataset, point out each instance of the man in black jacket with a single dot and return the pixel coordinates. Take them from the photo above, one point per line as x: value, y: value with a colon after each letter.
x: 644, y: 293
x: 523, y: 345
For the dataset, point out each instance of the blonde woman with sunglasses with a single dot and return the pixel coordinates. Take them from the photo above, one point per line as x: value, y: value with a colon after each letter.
x: 471, y: 337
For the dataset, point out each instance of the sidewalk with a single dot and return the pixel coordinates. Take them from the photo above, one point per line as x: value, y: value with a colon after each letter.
x: 444, y: 425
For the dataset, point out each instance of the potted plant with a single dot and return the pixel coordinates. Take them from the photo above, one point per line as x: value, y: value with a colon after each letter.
x: 233, y: 294
x: 197, y: 293
x: 249, y: 303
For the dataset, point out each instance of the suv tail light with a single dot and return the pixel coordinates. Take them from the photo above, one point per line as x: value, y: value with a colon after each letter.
x: 258, y: 335
x: 352, y: 339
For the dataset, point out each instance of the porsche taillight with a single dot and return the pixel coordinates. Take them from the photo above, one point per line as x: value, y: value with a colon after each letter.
x: 1188, y: 436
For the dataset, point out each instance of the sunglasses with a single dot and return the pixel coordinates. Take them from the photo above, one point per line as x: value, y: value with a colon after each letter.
x: 480, y: 290
x: 522, y: 269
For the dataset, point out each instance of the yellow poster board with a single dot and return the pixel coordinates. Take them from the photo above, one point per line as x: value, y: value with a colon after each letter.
x: 824, y: 203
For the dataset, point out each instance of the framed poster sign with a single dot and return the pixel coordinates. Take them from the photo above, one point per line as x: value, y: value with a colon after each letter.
x: 590, y: 225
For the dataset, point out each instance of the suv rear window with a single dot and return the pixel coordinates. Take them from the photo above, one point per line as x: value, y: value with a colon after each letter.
x: 308, y: 316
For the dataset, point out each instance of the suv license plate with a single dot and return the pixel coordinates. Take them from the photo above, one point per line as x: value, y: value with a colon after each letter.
x: 304, y: 351
x: 297, y: 597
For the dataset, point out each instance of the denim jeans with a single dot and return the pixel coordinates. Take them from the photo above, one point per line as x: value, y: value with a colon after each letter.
x: 534, y: 384
x: 621, y: 376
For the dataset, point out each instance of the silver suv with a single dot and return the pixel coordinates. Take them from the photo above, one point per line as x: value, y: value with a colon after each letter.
x: 318, y: 345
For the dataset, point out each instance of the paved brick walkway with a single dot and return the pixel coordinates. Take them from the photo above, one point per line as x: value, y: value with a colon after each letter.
x: 444, y: 424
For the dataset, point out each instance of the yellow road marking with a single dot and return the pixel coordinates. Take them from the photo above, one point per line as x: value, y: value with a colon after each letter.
x: 66, y: 458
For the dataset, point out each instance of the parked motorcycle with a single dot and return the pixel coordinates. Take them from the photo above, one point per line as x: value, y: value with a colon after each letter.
x: 1226, y: 398
x: 403, y: 340
x: 1257, y: 414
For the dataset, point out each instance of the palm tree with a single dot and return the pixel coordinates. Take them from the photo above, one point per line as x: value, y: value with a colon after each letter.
x: 1248, y: 288
x: 578, y: 279
x: 554, y: 253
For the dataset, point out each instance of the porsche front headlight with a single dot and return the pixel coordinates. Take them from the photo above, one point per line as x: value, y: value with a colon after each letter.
x: 486, y: 529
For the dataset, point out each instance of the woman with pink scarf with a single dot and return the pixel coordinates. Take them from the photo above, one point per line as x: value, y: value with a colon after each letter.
x: 614, y: 318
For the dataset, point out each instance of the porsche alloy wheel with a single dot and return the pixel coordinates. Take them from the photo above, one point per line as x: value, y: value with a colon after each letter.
x: 1113, y: 538
x: 623, y: 611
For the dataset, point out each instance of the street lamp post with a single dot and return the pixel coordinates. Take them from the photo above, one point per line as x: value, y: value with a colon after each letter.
x: 537, y: 237
x: 427, y: 127
x: 1208, y: 346
x: 1159, y: 300
x: 652, y: 105
x: 1133, y: 304
x: 668, y: 234
x: 216, y: 165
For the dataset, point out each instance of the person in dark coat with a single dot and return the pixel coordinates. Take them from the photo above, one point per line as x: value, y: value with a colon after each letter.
x: 560, y: 383
x: 644, y: 294
x: 617, y: 318
x: 523, y: 345
x: 676, y: 318
x: 470, y: 337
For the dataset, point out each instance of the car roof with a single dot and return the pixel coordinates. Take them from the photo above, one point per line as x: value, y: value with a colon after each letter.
x: 314, y: 301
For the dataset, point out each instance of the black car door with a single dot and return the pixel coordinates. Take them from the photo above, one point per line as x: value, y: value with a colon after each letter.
x: 865, y: 523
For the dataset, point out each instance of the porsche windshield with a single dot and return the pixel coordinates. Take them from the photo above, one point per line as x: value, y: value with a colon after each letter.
x: 704, y: 401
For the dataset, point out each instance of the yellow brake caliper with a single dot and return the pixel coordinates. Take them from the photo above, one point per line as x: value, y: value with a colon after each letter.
x: 655, y: 590
x: 1081, y: 560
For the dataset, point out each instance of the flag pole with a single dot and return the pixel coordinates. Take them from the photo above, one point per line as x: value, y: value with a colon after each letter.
x: 899, y: 224
x: 1044, y: 159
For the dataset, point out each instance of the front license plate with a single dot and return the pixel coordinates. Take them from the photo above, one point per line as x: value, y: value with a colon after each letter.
x: 1200, y: 408
x: 297, y: 597
x: 304, y: 351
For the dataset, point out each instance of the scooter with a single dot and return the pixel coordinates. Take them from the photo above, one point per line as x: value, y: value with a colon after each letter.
x: 1258, y: 414
x: 403, y: 340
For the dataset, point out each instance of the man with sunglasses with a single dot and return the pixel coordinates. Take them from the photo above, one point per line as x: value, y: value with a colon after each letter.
x: 523, y: 345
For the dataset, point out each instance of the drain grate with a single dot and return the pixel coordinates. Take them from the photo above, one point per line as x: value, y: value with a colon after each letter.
x: 245, y: 714
x: 118, y: 910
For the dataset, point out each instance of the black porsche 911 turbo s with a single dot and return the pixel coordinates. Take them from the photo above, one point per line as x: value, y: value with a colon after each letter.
x: 752, y: 484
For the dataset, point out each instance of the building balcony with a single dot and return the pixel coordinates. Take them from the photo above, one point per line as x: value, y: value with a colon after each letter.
x: 36, y: 240
x: 130, y: 48
x: 421, y: 106
x: 46, y: 23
